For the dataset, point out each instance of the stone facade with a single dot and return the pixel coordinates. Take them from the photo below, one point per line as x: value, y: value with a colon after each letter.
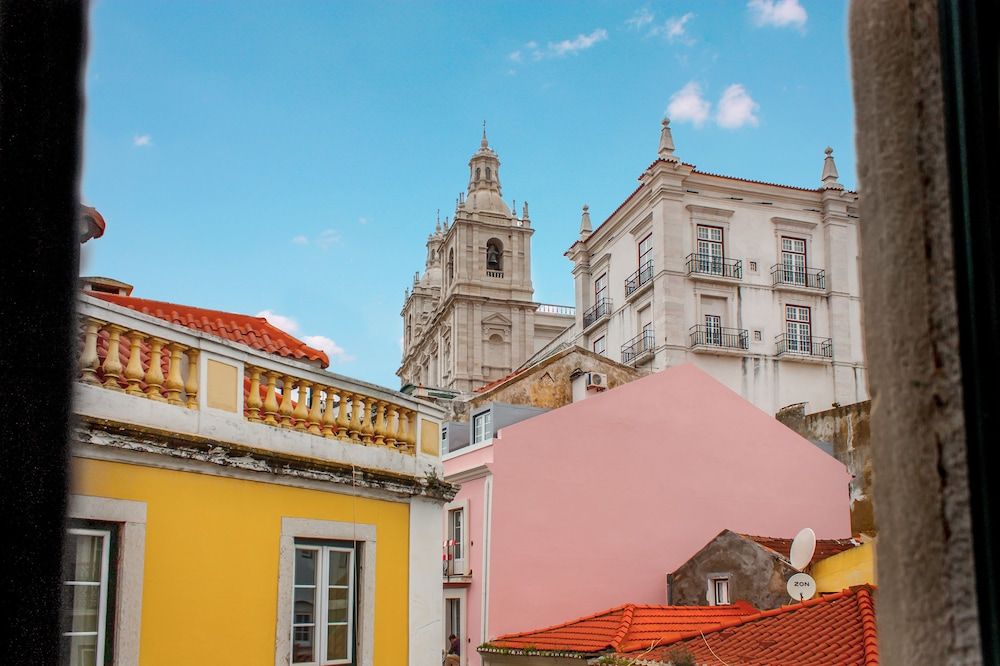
x: 470, y: 318
x: 845, y: 433
x: 756, y: 283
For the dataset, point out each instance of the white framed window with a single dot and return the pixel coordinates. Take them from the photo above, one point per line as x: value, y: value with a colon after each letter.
x: 798, y: 329
x: 455, y: 609
x: 600, y: 346
x: 645, y: 251
x: 710, y: 249
x: 713, y: 329
x: 86, y: 606
x: 456, y: 540
x: 324, y: 603
x: 718, y: 590
x: 482, y: 427
x: 600, y: 288
x: 793, y: 261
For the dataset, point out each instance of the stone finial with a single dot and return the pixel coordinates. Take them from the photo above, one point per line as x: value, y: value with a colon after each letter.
x: 666, y: 151
x: 830, y: 174
x: 585, y: 229
x: 446, y: 224
x: 524, y: 212
x: 406, y: 294
x: 484, y: 143
x: 416, y: 277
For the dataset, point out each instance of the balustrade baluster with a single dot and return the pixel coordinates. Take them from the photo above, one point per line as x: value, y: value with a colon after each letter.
x: 390, y: 426
x: 342, y: 422
x: 367, y: 429
x: 379, y: 429
x: 112, y: 362
x: 286, y: 409
x: 357, y: 408
x: 174, y: 383
x: 191, y: 385
x: 401, y: 428
x: 329, y: 419
x: 154, y: 373
x: 315, y: 409
x: 301, y: 412
x: 253, y: 400
x: 411, y: 432
x: 271, y: 399
x: 133, y: 372
x: 89, y: 360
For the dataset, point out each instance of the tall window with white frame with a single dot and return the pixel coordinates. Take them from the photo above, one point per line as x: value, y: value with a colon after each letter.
x: 645, y: 259
x: 482, y: 427
x: 87, y: 595
x: 793, y: 261
x: 600, y: 290
x: 719, y: 590
x: 710, y: 250
x: 324, y: 605
x: 456, y: 532
x: 798, y: 329
x: 713, y: 329
x: 453, y: 624
x: 600, y: 346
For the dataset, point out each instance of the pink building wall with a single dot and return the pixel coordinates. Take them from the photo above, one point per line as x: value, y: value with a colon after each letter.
x: 595, y: 502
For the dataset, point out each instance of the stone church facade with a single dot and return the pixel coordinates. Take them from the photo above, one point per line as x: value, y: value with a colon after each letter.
x: 470, y: 317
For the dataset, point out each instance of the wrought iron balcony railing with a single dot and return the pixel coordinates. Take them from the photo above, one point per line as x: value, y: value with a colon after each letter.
x: 809, y: 278
x: 800, y: 345
x: 638, y: 347
x: 717, y: 336
x: 639, y: 278
x: 599, y: 311
x: 707, y: 264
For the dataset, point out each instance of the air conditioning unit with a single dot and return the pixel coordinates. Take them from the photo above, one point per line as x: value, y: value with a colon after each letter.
x: 597, y: 381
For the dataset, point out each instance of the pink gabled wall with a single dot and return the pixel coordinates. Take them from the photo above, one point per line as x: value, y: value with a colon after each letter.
x: 474, y: 491
x: 595, y: 502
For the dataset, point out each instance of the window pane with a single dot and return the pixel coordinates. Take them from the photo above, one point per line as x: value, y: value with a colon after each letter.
x: 81, y: 605
x: 337, y: 641
x: 340, y: 567
x: 339, y: 599
x: 82, y: 559
x: 305, y: 566
x: 79, y: 650
x: 305, y: 605
x: 303, y: 645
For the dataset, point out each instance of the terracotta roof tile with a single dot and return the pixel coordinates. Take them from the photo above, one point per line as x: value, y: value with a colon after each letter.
x: 624, y: 628
x: 254, y: 332
x: 835, y: 629
x: 824, y: 547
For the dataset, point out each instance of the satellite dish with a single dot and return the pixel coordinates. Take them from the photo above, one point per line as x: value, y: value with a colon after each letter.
x: 801, y: 587
x: 803, y: 547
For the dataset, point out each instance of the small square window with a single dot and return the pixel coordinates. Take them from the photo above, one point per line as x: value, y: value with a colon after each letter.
x: 753, y: 266
x: 718, y: 589
x: 758, y: 336
x: 482, y: 426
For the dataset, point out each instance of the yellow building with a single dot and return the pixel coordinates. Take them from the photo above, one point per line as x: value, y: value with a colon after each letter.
x: 232, y: 502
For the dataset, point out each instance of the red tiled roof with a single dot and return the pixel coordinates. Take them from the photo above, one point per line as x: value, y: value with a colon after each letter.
x: 624, y: 628
x: 835, y: 630
x: 254, y: 332
x: 824, y: 547
x: 498, y: 382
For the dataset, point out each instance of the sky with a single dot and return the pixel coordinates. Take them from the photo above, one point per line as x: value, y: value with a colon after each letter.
x: 291, y: 158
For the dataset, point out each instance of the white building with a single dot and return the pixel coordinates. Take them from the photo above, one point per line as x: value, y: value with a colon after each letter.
x: 756, y: 283
x: 471, y: 317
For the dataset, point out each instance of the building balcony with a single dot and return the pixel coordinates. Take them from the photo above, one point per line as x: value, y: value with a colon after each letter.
x: 568, y: 310
x: 795, y: 278
x: 639, y: 349
x: 640, y: 280
x: 601, y: 310
x: 794, y: 346
x: 206, y: 391
x: 710, y: 267
x: 714, y: 338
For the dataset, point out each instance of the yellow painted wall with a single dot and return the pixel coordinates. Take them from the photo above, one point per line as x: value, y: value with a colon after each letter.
x: 855, y: 566
x: 211, y: 564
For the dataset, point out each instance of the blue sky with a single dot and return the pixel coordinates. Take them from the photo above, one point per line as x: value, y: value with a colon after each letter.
x: 291, y: 157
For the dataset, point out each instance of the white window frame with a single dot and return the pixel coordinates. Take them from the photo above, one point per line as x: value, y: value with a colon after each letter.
x: 791, y: 271
x: 102, y: 583
x: 601, y: 348
x: 713, y: 329
x: 798, y: 329
x: 461, y: 595
x: 130, y: 516
x: 486, y: 433
x: 713, y: 581
x: 363, y: 536
x: 459, y: 565
x: 706, y: 243
x: 321, y: 617
x: 600, y: 287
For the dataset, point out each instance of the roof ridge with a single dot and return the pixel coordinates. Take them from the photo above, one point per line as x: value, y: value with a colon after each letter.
x: 866, y: 608
x: 628, y: 613
x: 592, y: 616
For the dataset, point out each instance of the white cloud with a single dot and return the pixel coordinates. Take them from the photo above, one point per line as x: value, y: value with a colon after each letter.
x: 640, y: 19
x: 674, y: 28
x: 334, y: 352
x: 286, y: 324
x: 142, y: 141
x: 736, y: 108
x: 300, y: 240
x: 579, y: 43
x: 689, y: 105
x: 289, y: 325
x: 778, y: 13
x: 531, y: 50
x: 324, y: 240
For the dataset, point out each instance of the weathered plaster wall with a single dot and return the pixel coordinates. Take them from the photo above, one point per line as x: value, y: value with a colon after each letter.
x: 756, y: 575
x: 845, y: 433
x: 548, y: 383
x: 927, y: 601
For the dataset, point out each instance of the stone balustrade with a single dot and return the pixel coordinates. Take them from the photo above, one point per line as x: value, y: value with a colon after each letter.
x: 134, y: 354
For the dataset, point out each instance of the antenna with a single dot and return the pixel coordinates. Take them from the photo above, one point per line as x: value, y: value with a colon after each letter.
x: 802, y: 586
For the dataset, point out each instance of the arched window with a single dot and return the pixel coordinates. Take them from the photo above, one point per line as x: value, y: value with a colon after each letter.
x: 494, y: 255
x: 451, y: 264
x: 489, y: 174
x: 477, y: 173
